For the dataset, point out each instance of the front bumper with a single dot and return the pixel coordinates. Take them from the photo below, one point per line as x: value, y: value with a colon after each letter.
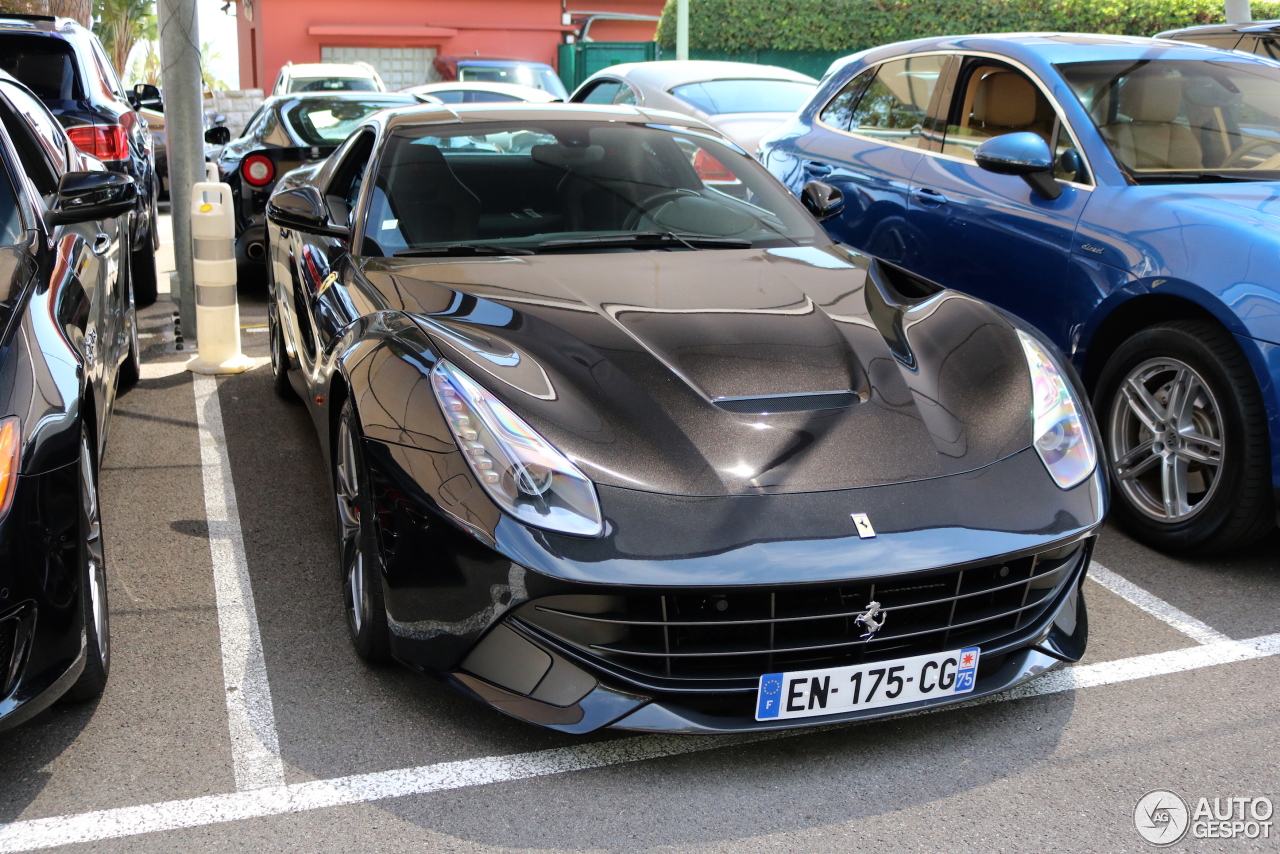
x: 485, y: 570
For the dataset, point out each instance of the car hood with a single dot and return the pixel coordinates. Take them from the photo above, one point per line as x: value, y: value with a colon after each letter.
x: 722, y: 372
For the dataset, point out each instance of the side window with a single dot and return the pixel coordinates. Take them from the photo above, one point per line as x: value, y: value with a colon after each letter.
x: 108, y: 74
x: 626, y: 95
x: 11, y: 233
x: 839, y: 111
x: 602, y: 93
x: 344, y: 189
x: 1264, y: 46
x: 41, y: 160
x: 895, y: 104
x: 1068, y: 162
x: 49, y: 135
x: 992, y: 100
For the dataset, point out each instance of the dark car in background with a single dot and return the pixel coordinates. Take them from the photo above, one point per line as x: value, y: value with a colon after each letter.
x: 1257, y: 37
x: 611, y: 447
x: 64, y: 65
x: 285, y: 133
x: 68, y: 343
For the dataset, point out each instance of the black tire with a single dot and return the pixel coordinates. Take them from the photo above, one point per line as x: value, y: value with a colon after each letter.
x: 142, y: 273
x: 93, y: 581
x: 1208, y: 465
x: 358, y: 557
x: 130, y: 370
x: 279, y: 360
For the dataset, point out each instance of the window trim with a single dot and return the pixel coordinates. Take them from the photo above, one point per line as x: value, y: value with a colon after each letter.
x: 961, y: 54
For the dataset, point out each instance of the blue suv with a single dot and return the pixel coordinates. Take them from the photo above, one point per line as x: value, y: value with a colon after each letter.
x: 1122, y: 195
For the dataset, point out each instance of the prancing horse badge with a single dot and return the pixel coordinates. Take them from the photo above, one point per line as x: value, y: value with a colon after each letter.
x: 864, y: 525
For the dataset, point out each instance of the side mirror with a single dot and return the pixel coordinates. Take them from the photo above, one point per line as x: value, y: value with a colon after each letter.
x: 146, y: 95
x: 822, y: 200
x: 1026, y: 155
x: 217, y: 136
x: 89, y: 196
x: 303, y: 208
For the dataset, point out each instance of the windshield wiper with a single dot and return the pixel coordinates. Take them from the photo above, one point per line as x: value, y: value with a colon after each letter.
x: 1194, y: 178
x: 461, y: 249
x: 645, y: 239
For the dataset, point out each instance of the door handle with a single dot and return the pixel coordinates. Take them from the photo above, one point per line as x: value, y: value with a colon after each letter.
x: 101, y: 244
x: 930, y: 197
x: 817, y: 168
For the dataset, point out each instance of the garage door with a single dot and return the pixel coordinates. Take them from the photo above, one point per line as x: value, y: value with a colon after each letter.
x: 399, y: 66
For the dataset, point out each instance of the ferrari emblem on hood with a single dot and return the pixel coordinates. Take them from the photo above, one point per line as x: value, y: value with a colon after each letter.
x: 863, y: 525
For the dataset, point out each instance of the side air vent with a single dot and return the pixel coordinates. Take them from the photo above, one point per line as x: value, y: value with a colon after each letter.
x: 787, y: 402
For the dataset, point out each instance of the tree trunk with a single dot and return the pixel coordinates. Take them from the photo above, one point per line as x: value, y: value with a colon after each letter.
x: 77, y: 9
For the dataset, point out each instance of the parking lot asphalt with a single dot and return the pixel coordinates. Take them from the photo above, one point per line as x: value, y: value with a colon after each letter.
x: 383, y: 759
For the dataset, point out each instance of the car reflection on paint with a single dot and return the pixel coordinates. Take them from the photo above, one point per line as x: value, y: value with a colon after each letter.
x: 610, y: 447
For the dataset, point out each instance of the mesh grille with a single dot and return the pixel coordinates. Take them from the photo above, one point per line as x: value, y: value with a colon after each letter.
x: 737, y: 634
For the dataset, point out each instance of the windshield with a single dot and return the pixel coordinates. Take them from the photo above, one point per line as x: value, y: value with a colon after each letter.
x: 332, y: 84
x: 328, y: 121
x: 45, y: 64
x: 717, y: 97
x: 586, y: 185
x: 1185, y: 120
x: 537, y: 76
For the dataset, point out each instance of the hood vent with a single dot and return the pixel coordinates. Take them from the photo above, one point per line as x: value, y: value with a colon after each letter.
x: 803, y: 402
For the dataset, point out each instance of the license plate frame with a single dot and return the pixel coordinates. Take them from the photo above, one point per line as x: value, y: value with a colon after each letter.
x: 817, y: 693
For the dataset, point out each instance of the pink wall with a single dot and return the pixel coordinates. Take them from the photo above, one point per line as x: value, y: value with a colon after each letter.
x: 294, y: 30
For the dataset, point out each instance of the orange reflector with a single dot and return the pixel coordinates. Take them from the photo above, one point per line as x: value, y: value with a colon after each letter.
x: 10, y: 450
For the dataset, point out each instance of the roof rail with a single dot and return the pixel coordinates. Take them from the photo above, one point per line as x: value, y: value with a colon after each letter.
x: 45, y: 18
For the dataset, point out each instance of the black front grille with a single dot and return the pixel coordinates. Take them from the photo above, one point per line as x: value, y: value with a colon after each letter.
x: 737, y: 634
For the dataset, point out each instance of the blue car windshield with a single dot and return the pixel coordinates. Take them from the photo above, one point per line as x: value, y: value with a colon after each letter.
x: 1185, y: 120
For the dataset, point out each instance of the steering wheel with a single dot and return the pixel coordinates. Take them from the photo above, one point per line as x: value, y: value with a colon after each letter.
x: 1238, y: 155
x: 651, y: 204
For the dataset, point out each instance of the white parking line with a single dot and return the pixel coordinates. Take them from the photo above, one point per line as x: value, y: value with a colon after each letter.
x: 255, y: 747
x: 1155, y: 606
x: 444, y: 776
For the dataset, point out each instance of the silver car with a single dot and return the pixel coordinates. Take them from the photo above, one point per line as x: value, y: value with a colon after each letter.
x: 741, y: 100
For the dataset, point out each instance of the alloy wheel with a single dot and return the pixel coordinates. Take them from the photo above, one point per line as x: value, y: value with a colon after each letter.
x: 1167, y: 439
x: 347, y: 489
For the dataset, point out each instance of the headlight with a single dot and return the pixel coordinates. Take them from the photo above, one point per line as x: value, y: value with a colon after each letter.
x: 1062, y: 436
x: 520, y: 470
x: 10, y: 448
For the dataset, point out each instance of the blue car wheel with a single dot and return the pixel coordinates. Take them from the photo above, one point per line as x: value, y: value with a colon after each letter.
x: 1185, y: 431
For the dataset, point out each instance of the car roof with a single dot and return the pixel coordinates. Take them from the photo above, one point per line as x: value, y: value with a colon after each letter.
x: 330, y: 69
x: 673, y: 72
x: 341, y: 95
x: 1211, y: 29
x: 1057, y: 48
x: 499, y: 112
x: 44, y: 24
x: 528, y: 93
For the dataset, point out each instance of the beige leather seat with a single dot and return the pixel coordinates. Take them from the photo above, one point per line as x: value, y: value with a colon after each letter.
x: 1151, y: 139
x: 1005, y: 103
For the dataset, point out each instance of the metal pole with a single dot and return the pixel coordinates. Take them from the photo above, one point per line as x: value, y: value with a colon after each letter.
x: 1238, y: 12
x: 682, y: 29
x: 184, y: 138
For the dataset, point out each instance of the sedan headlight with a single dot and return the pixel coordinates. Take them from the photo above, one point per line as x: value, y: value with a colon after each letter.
x: 520, y: 470
x: 1061, y: 431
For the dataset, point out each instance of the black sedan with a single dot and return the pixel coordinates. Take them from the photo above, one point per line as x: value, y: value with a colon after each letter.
x: 69, y: 341
x: 610, y: 447
x: 286, y: 132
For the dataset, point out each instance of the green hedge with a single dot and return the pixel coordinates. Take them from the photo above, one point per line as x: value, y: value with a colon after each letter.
x: 844, y: 26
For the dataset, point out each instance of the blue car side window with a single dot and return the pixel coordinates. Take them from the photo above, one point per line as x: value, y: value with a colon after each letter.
x: 894, y: 106
x: 839, y: 111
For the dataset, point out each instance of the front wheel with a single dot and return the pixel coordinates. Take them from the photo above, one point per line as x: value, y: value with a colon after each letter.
x: 1186, y: 438
x: 93, y: 582
x: 357, y: 553
x: 279, y: 360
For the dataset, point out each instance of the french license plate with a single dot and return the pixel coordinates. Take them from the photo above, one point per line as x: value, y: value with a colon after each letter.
x: 809, y: 693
